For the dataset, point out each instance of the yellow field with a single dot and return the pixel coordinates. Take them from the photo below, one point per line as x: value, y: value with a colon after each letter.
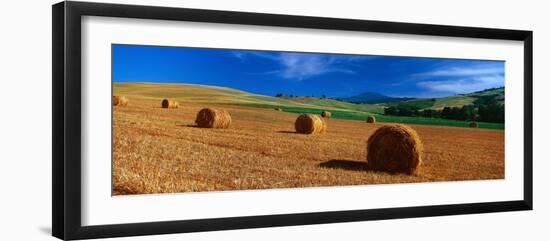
x: 159, y: 150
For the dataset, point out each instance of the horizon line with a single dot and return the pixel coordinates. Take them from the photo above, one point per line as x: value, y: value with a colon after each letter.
x: 390, y: 96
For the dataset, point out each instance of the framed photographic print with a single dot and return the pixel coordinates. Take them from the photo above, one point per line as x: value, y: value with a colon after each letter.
x: 169, y: 120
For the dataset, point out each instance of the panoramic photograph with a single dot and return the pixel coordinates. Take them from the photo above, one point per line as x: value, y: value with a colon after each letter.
x: 188, y: 119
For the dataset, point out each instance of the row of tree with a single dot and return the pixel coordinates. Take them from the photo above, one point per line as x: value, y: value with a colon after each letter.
x: 282, y: 95
x: 485, y: 110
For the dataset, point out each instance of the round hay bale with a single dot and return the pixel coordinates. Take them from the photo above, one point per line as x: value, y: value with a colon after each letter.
x: 473, y: 124
x: 166, y: 103
x: 371, y: 119
x: 394, y: 149
x: 326, y: 114
x: 278, y: 109
x: 119, y: 100
x: 310, y: 124
x: 213, y: 118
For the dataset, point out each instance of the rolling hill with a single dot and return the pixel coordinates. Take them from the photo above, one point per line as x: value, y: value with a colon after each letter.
x: 222, y: 95
x: 453, y: 101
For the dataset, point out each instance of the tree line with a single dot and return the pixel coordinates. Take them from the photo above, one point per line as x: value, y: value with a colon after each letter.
x: 485, y: 108
x: 282, y: 95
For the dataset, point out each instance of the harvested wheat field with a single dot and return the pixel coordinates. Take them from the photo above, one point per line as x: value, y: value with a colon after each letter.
x: 158, y: 150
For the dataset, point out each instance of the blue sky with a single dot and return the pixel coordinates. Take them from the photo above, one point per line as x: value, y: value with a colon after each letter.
x: 333, y: 75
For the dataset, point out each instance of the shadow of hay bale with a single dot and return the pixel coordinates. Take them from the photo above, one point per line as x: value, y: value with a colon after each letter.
x: 345, y: 165
x: 188, y: 125
x: 288, y: 132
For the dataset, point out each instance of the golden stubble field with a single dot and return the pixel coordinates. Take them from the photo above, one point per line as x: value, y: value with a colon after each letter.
x: 158, y: 150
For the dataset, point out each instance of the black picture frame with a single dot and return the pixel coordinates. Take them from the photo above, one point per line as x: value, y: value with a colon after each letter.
x: 66, y: 128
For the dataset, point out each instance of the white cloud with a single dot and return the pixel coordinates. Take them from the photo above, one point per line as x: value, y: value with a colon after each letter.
x: 462, y: 86
x: 303, y: 66
x: 300, y: 66
x: 461, y: 80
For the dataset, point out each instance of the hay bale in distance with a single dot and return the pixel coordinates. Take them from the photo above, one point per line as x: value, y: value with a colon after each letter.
x: 394, y: 149
x: 326, y: 114
x: 473, y: 124
x: 213, y: 118
x: 166, y: 103
x: 119, y: 100
x: 371, y: 119
x: 310, y: 124
x: 278, y: 109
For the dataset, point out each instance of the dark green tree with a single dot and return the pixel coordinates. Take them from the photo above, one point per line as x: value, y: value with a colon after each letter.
x: 392, y: 110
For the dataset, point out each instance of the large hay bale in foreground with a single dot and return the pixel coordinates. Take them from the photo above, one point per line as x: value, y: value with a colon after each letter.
x: 326, y: 114
x: 371, y: 119
x: 119, y: 100
x: 310, y: 124
x: 166, y: 103
x: 278, y: 109
x: 394, y: 149
x: 473, y: 124
x: 213, y: 118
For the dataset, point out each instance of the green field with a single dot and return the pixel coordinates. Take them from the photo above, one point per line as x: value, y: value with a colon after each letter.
x: 362, y: 116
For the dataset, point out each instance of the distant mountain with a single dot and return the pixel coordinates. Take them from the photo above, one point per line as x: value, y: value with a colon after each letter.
x: 458, y: 100
x: 373, y: 98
